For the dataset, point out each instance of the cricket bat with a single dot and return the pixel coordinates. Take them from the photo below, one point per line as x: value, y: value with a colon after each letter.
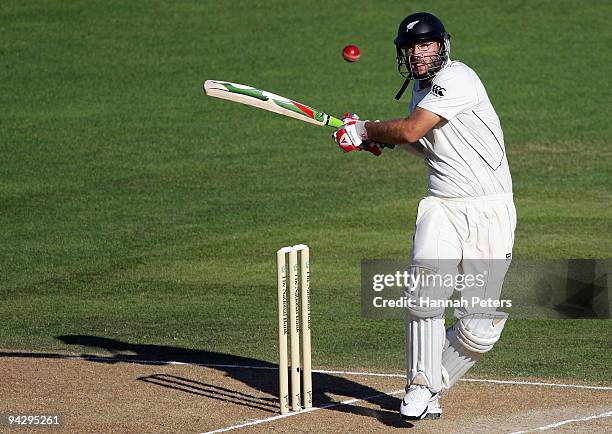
x: 269, y: 101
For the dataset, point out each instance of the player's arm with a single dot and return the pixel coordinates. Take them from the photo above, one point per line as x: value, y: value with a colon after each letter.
x: 355, y: 133
x: 403, y: 131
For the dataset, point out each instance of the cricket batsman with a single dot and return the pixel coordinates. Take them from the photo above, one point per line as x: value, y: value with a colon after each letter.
x: 466, y: 223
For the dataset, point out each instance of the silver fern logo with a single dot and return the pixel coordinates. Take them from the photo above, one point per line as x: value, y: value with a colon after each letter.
x: 411, y: 25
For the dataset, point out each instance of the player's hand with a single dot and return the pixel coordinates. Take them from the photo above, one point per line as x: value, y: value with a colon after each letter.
x: 351, y: 135
x: 375, y: 148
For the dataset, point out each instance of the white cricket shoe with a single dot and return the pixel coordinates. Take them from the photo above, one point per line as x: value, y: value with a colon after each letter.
x: 419, y: 403
x: 434, y: 410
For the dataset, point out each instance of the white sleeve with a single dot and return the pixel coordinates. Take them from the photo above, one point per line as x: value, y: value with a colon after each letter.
x: 452, y: 92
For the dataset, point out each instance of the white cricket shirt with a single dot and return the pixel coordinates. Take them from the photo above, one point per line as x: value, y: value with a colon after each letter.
x: 465, y: 152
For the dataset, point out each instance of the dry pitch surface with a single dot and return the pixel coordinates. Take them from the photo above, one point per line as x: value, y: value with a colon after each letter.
x: 104, y: 394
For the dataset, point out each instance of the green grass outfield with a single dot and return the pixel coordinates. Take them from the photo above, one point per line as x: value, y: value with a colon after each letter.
x: 132, y: 207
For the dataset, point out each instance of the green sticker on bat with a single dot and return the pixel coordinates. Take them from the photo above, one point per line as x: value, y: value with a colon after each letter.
x: 289, y: 106
x: 255, y: 93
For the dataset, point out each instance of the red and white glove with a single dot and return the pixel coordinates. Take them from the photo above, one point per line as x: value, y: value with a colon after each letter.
x: 373, y: 147
x: 351, y: 135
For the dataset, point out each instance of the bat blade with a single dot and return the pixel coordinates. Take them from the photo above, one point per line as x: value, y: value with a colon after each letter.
x: 268, y: 101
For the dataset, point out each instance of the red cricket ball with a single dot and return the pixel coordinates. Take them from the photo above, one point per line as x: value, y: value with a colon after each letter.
x: 351, y: 53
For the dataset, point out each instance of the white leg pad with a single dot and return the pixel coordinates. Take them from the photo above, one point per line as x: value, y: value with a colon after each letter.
x: 425, y: 339
x: 467, y: 339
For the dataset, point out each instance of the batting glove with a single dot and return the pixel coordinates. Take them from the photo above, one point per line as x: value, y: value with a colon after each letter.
x: 351, y: 135
x: 373, y: 147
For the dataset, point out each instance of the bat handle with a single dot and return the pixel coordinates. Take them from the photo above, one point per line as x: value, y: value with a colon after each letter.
x: 334, y: 122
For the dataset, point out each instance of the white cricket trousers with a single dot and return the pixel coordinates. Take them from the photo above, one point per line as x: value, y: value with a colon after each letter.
x: 468, y: 236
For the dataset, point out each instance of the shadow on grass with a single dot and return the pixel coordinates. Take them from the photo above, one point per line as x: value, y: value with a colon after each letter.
x: 257, y: 374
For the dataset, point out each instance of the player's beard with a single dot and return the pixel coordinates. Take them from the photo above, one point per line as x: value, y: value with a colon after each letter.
x: 425, y: 66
